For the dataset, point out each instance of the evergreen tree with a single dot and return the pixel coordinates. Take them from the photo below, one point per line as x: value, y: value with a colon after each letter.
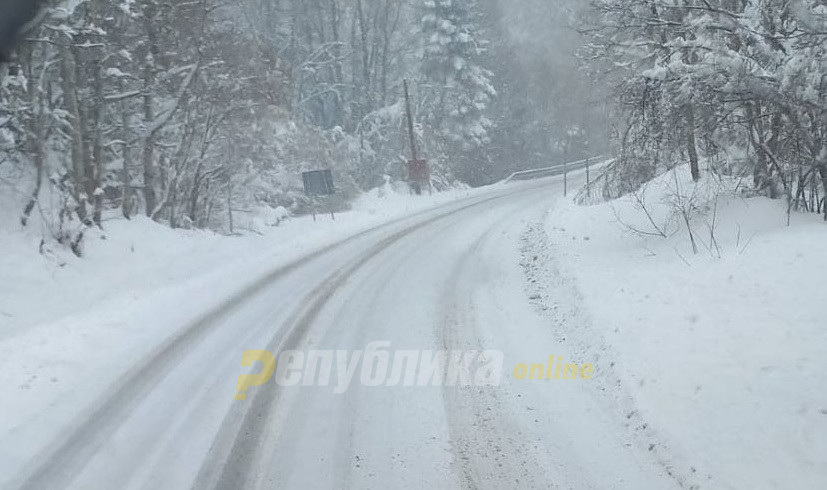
x: 450, y: 57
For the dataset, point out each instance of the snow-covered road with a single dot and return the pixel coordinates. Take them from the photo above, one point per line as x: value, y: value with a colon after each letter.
x: 445, y: 279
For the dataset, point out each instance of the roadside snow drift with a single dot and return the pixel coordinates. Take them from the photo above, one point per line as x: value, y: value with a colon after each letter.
x: 724, y: 348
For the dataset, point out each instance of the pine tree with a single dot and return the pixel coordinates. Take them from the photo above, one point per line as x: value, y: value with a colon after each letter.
x: 450, y: 54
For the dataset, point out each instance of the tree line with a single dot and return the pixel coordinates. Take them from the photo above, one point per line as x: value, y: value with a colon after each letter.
x: 185, y: 111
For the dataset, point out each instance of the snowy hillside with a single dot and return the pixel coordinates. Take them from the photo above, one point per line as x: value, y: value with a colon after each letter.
x: 138, y: 257
x: 722, y: 353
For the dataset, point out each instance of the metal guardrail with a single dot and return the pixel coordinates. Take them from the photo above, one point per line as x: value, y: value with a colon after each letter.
x: 539, y: 173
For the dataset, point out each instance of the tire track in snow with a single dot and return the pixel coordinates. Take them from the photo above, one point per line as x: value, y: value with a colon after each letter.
x: 56, y: 466
x: 244, y: 439
x: 485, y: 442
x: 237, y: 450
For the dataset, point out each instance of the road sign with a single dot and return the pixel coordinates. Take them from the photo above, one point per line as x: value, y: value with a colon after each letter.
x: 318, y: 183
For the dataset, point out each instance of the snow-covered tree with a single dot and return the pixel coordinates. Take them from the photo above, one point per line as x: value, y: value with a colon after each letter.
x: 450, y: 57
x: 740, y: 83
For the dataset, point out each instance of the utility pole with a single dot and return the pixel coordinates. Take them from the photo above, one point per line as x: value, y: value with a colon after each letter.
x: 418, y: 172
x: 414, y: 154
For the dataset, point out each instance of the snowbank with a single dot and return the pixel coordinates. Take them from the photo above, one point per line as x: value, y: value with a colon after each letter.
x: 723, y: 351
x: 131, y: 259
x: 70, y: 326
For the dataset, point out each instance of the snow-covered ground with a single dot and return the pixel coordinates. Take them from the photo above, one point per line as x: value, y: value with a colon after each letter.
x: 131, y: 259
x: 719, y: 357
x: 449, y: 278
x: 709, y: 366
x: 69, y: 326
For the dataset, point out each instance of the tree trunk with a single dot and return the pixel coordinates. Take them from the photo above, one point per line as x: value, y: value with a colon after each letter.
x: 690, y: 143
x: 97, y: 148
x: 126, y: 177
x: 76, y: 132
x: 822, y: 170
x: 194, y: 192
x: 36, y: 143
x: 148, y: 160
x: 37, y: 157
x: 230, y: 205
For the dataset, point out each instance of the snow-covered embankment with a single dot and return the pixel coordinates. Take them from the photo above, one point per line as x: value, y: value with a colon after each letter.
x: 723, y: 350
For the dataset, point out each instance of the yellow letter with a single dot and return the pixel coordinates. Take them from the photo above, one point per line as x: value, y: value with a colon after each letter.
x: 586, y: 371
x: 559, y: 365
x: 536, y: 371
x: 520, y: 371
x: 247, y: 380
x: 570, y: 369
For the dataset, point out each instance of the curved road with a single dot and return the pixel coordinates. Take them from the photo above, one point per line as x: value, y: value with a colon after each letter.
x: 445, y: 279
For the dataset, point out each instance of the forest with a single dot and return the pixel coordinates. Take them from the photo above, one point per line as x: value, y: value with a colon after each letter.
x: 184, y: 111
